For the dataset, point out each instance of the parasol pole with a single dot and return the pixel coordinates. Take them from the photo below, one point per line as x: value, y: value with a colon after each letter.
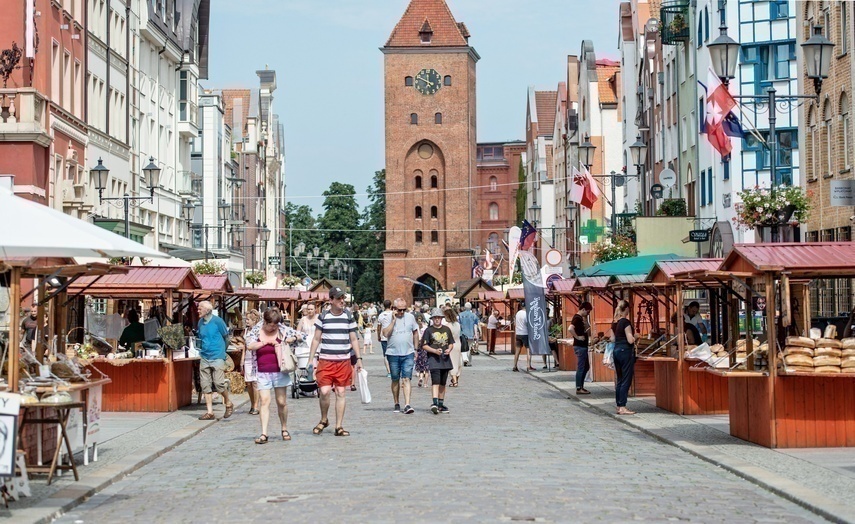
x: 14, y: 327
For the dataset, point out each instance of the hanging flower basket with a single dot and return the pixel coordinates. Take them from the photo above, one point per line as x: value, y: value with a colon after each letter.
x: 608, y: 250
x: 759, y: 207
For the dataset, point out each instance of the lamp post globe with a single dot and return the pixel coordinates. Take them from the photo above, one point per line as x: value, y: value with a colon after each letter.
x: 223, y: 208
x: 817, y: 54
x: 265, y: 234
x: 724, y: 55
x: 101, y: 173
x: 152, y: 174
x: 638, y: 151
x: 586, y: 151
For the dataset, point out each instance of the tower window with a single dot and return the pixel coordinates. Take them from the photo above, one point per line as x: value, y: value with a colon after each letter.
x: 494, y: 211
x: 434, y: 237
x: 408, y: 81
x: 418, y: 212
x: 434, y: 212
x: 446, y: 81
x: 434, y: 182
x: 418, y: 237
x: 494, y: 183
x: 418, y: 182
x: 414, y: 118
x: 437, y: 118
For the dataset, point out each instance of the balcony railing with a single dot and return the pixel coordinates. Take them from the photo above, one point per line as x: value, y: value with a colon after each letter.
x: 188, y: 112
x: 189, y: 184
x: 23, y: 115
x: 675, y: 22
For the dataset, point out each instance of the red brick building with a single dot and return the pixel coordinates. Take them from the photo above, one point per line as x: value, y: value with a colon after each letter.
x: 43, y: 134
x: 498, y: 166
x: 431, y: 213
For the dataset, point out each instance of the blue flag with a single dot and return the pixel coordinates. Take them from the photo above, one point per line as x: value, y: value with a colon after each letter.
x: 528, y: 235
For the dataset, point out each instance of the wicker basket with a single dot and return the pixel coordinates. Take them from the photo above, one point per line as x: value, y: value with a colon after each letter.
x: 71, y: 348
x: 237, y: 384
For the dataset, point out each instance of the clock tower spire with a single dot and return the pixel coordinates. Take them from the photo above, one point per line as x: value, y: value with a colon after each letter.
x: 430, y: 152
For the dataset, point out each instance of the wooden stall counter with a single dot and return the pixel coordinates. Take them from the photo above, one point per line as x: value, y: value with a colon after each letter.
x: 566, y: 355
x: 702, y: 393
x: 643, y: 381
x: 599, y: 371
x: 147, y: 385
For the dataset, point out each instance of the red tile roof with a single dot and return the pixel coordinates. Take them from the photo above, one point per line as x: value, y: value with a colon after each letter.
x: 832, y: 258
x: 597, y: 282
x: 446, y: 31
x: 139, y: 279
x: 669, y: 268
x: 270, y: 294
x: 516, y: 293
x: 219, y: 283
x: 491, y: 295
x: 545, y: 104
x: 606, y: 85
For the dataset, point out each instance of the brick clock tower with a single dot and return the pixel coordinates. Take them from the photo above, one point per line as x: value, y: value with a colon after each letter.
x: 430, y: 152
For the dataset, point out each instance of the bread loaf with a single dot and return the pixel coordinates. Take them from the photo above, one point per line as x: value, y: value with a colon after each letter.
x: 848, y: 343
x: 828, y: 343
x: 715, y: 348
x: 826, y: 361
x: 815, y: 333
x: 827, y: 369
x: 848, y: 370
x: 798, y: 360
x: 827, y: 352
x: 796, y: 350
x: 847, y: 362
x: 802, y: 369
x: 830, y: 331
x: 848, y: 353
x: 801, y: 342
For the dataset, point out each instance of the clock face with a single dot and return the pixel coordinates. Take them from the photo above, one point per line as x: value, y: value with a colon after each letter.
x: 428, y: 81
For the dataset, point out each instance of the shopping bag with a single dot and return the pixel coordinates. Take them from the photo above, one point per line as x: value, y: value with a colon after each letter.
x: 362, y: 378
x: 609, y: 355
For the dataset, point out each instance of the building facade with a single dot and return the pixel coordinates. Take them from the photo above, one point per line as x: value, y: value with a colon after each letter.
x: 430, y: 120
x: 539, y: 168
x: 498, y: 165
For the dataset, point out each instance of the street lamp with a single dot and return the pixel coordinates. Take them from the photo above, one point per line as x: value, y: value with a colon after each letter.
x: 152, y: 175
x: 586, y: 152
x: 638, y: 152
x: 535, y: 213
x: 817, y: 51
x: 724, y: 53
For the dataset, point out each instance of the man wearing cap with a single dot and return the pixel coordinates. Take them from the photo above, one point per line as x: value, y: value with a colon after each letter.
x: 335, y: 339
x: 438, y: 341
x: 403, y: 336
x: 213, y: 339
x: 468, y: 324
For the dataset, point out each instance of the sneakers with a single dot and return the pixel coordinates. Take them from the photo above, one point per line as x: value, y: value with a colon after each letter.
x: 434, y: 409
x: 409, y: 410
x: 397, y: 408
x: 443, y: 409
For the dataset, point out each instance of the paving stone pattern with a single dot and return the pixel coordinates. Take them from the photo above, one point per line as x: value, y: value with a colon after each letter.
x: 512, y: 449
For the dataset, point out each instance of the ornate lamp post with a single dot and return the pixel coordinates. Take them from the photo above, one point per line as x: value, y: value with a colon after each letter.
x: 152, y: 177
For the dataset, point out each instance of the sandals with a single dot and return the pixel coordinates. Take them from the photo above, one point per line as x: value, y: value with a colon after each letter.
x: 582, y: 391
x: 230, y: 408
x: 353, y: 388
x: 253, y: 412
x: 286, y: 435
x: 516, y: 369
x: 340, y: 432
x: 317, y: 430
x: 624, y: 411
x: 262, y: 439
x: 207, y: 416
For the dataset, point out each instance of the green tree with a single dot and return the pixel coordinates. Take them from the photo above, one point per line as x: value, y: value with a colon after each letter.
x: 521, y: 194
x: 371, y: 242
x: 303, y: 225
x: 339, y: 219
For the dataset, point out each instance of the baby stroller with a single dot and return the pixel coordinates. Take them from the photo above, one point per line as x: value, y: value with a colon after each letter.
x: 302, y: 384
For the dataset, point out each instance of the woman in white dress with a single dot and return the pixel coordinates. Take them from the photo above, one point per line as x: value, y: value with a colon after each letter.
x: 450, y: 320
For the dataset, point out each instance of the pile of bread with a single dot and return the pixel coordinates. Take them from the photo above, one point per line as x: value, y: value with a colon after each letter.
x: 820, y: 355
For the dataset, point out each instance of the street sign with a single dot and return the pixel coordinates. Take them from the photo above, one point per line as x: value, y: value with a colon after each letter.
x: 274, y: 261
x: 699, y: 235
x: 553, y: 257
x: 668, y: 177
x: 842, y: 193
x: 583, y: 239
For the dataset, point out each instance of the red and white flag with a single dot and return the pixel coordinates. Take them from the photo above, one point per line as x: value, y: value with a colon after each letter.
x: 591, y: 192
x: 577, y: 186
x: 719, y: 104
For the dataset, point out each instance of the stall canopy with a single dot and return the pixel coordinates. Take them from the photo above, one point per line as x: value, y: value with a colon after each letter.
x: 270, y: 295
x: 597, y: 282
x: 664, y: 270
x: 215, y: 284
x: 59, y: 235
x: 139, y: 281
x: 469, y: 289
x: 564, y: 286
x: 516, y: 293
x: 815, y: 259
x: 626, y: 266
x: 490, y: 295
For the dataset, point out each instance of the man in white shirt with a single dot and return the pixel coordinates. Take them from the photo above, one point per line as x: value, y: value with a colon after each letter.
x: 692, y: 316
x: 403, y: 338
x: 521, y: 332
x: 383, y: 321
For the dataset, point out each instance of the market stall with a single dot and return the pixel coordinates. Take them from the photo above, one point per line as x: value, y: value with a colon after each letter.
x: 154, y: 383
x: 288, y: 300
x: 496, y: 300
x: 804, y: 397
x: 562, y: 291
x: 681, y: 385
x: 596, y: 291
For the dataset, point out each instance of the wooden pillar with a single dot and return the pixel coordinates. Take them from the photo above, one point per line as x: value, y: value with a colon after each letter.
x: 749, y: 325
x: 14, y: 326
x: 681, y: 349
x: 40, y: 323
x: 772, y: 341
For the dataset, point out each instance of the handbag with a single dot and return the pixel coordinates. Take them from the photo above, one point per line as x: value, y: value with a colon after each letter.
x: 609, y: 355
x: 287, y: 360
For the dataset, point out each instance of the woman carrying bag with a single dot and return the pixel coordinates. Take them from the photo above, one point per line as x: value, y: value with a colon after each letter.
x: 624, y: 356
x: 264, y: 346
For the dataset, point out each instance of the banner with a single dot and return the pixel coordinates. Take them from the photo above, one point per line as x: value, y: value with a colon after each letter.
x: 535, y: 316
x: 513, y: 247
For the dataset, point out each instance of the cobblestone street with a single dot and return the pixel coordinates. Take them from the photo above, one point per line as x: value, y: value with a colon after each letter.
x: 512, y: 449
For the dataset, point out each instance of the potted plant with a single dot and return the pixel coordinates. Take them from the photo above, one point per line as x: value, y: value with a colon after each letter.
x: 672, y: 207
x: 608, y: 250
x: 290, y: 281
x: 759, y: 207
x: 255, y: 278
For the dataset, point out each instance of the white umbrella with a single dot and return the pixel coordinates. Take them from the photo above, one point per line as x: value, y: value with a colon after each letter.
x: 29, y: 230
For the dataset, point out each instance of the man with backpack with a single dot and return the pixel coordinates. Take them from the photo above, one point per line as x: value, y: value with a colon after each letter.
x: 335, y: 340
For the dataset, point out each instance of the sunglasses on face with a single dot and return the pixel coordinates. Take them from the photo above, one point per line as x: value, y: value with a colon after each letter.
x: 401, y: 310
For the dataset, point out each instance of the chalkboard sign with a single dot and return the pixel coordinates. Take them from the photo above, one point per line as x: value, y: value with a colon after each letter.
x: 699, y: 235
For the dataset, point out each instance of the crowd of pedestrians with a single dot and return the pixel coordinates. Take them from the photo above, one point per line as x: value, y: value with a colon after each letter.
x: 417, y: 342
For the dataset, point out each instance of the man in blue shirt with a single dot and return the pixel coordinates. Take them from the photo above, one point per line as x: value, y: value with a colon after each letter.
x: 468, y: 323
x: 213, y: 340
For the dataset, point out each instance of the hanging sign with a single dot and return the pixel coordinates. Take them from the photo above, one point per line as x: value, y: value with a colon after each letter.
x: 842, y: 193
x: 699, y: 235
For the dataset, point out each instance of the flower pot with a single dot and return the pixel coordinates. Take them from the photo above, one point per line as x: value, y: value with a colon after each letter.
x: 774, y: 234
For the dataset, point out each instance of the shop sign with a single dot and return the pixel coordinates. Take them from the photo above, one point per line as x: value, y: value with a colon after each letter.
x: 842, y: 193
x: 699, y: 235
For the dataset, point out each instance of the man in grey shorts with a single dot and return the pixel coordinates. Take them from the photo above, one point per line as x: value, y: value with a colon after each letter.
x: 213, y: 340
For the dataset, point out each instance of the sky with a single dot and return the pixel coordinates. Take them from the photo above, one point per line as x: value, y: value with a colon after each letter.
x: 329, y: 71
